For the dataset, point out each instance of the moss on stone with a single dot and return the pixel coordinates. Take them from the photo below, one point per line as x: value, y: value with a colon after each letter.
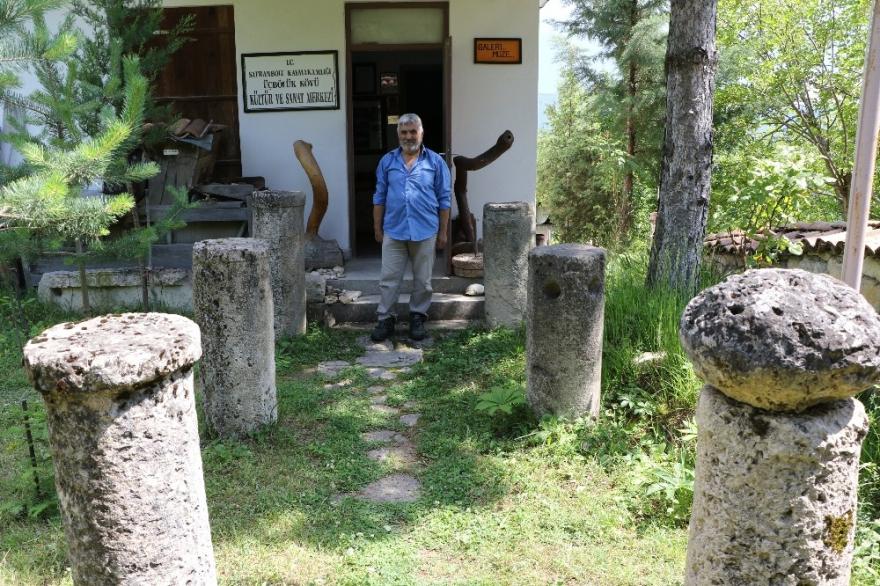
x: 837, y: 531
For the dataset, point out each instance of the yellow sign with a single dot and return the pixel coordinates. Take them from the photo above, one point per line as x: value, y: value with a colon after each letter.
x: 506, y: 51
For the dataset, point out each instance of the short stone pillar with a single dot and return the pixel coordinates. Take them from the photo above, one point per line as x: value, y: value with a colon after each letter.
x: 783, y: 352
x: 508, y: 230
x: 125, y: 445
x: 232, y: 297
x: 277, y: 218
x: 565, y: 319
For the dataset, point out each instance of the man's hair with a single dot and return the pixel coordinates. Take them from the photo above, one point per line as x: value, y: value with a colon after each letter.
x: 408, y: 119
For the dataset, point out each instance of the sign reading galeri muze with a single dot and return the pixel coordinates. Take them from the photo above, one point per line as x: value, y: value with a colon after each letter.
x: 307, y: 80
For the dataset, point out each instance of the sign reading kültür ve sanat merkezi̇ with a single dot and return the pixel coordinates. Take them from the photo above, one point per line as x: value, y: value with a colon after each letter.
x: 304, y: 80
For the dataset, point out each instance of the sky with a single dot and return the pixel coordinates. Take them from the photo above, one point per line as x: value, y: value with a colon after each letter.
x: 548, y: 72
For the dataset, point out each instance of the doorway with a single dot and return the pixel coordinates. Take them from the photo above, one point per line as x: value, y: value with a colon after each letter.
x: 387, y: 79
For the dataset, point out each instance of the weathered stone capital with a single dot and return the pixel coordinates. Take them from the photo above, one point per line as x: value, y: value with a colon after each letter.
x: 783, y: 339
x: 507, y: 206
x: 231, y: 249
x: 278, y: 199
x: 112, y: 352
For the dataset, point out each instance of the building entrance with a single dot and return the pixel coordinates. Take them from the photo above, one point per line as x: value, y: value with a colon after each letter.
x: 398, y: 62
x: 386, y: 85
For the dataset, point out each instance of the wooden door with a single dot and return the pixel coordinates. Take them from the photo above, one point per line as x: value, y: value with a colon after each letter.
x: 201, y: 80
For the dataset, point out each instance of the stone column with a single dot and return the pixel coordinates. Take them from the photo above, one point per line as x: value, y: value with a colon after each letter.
x: 232, y: 297
x: 277, y: 218
x: 507, y: 239
x: 566, y: 312
x: 125, y: 445
x: 783, y: 352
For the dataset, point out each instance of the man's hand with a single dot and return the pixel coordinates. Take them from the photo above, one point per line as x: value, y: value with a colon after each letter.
x: 378, y: 219
x: 441, y: 240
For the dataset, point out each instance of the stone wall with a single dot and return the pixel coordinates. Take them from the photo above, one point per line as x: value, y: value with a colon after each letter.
x: 819, y: 262
x: 113, y: 289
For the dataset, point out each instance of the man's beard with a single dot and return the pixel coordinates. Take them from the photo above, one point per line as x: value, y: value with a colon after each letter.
x: 410, y: 147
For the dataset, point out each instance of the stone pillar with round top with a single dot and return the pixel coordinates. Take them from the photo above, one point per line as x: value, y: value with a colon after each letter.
x: 783, y: 353
x: 277, y: 218
x: 507, y: 238
x: 124, y: 437
x: 232, y: 297
x: 565, y: 320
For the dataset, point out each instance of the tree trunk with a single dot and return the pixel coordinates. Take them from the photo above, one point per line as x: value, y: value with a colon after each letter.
x: 628, y: 198
x: 687, y: 148
x: 83, y: 282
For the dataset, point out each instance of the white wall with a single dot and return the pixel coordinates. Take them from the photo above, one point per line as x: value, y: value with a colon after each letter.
x: 486, y: 99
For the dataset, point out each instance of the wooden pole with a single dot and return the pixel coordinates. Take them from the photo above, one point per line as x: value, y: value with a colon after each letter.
x: 866, y: 155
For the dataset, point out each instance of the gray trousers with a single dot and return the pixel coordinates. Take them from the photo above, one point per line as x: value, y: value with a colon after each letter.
x: 395, y: 254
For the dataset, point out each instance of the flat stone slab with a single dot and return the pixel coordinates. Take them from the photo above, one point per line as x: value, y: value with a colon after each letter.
x: 384, y: 436
x: 338, y: 385
x: 332, y: 367
x: 115, y: 352
x: 410, y: 419
x: 376, y: 389
x: 418, y: 344
x: 401, y: 455
x: 392, y: 359
x: 385, y: 409
x: 396, y: 488
x: 782, y: 339
x: 378, y: 400
x: 370, y: 346
x: 381, y: 373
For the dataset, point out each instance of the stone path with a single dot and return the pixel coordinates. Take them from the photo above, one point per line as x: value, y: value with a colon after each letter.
x: 385, y: 361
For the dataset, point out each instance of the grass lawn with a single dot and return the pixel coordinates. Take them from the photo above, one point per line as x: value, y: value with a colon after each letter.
x: 505, y: 499
x: 496, y: 508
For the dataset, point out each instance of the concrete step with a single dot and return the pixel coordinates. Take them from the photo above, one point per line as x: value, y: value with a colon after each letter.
x: 369, y: 285
x: 444, y: 307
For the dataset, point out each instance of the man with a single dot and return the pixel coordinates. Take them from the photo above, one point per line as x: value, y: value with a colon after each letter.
x: 410, y: 216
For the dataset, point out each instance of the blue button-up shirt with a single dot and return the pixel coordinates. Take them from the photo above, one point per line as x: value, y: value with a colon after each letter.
x: 412, y: 197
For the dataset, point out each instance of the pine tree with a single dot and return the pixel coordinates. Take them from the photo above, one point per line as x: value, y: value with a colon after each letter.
x: 632, y: 35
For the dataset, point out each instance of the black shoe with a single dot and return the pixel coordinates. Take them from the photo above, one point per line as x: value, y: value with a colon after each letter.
x: 383, y: 330
x: 417, y: 326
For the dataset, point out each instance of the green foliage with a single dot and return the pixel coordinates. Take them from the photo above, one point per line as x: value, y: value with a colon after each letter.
x: 753, y: 191
x: 597, y: 165
x: 580, y: 166
x: 502, y: 399
x: 119, y: 28
x: 792, y: 74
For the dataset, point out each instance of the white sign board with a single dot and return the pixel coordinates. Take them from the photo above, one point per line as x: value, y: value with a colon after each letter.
x: 307, y: 80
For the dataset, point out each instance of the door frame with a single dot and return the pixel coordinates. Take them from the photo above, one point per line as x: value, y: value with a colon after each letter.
x: 443, y: 47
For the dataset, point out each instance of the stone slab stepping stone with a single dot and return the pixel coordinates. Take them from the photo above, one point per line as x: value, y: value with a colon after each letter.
x: 370, y: 346
x: 397, y: 488
x: 378, y: 399
x: 384, y: 436
x: 402, y: 455
x: 381, y: 373
x: 376, y: 389
x: 393, y: 359
x: 410, y: 343
x: 385, y: 409
x: 410, y: 419
x: 409, y: 405
x: 339, y: 385
x: 332, y: 367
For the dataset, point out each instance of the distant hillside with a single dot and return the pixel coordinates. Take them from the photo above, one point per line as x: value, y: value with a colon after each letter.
x: 544, y: 100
